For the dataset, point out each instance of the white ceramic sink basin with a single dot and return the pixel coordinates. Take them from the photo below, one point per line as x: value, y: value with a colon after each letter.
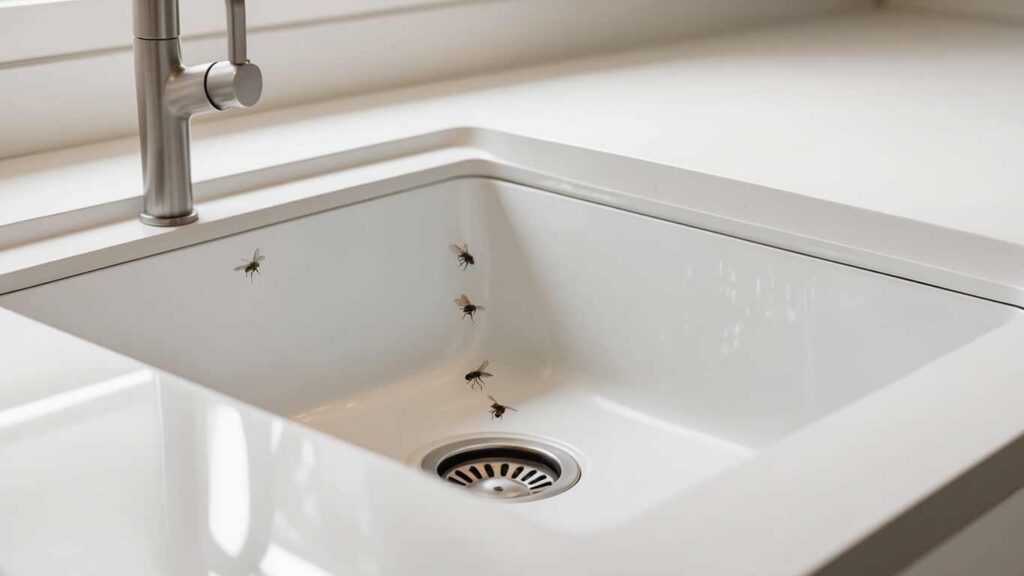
x: 658, y: 354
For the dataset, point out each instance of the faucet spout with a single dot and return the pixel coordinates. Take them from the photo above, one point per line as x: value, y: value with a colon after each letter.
x: 169, y: 94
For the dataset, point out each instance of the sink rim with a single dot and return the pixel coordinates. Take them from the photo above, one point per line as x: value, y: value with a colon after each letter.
x: 63, y: 245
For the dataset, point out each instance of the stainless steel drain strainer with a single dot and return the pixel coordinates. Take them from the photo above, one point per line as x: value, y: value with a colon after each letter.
x: 513, y: 469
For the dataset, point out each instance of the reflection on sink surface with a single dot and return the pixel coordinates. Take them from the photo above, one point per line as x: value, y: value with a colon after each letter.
x: 659, y: 353
x: 143, y: 474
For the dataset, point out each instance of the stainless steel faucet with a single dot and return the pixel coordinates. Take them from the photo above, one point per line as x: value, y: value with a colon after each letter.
x: 169, y: 94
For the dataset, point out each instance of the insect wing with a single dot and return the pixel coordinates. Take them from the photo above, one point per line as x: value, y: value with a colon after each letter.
x: 462, y: 301
x: 242, y: 267
x: 460, y: 250
x: 483, y: 366
x: 485, y: 374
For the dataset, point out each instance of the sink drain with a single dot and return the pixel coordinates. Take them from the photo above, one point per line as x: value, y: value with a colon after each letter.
x: 512, y: 469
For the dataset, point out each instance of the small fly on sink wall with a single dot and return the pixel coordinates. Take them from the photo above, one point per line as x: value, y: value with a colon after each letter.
x: 498, y: 410
x: 252, y: 267
x: 467, y: 307
x: 465, y: 258
x: 475, y: 378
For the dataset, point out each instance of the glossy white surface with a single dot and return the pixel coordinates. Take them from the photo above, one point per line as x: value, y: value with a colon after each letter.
x: 131, y: 471
x: 639, y: 343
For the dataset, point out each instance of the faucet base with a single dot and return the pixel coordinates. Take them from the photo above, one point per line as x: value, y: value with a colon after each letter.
x: 167, y: 222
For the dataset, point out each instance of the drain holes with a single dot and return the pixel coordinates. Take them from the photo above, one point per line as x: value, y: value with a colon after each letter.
x: 538, y: 470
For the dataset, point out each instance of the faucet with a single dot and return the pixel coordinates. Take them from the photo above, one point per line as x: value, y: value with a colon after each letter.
x: 169, y: 94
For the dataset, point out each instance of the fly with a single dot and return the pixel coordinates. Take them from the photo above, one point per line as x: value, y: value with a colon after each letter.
x: 475, y: 378
x: 498, y: 410
x: 465, y: 258
x: 251, y: 267
x: 467, y: 307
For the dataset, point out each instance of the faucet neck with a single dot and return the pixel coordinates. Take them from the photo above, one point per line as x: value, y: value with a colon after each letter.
x: 169, y: 94
x: 155, y: 19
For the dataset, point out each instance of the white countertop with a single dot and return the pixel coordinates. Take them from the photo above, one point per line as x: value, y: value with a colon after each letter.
x: 910, y: 114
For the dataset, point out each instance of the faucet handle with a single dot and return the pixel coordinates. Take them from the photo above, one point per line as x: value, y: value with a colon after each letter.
x: 236, y: 83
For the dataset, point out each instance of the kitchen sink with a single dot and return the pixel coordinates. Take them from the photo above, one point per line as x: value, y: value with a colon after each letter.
x: 655, y: 355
